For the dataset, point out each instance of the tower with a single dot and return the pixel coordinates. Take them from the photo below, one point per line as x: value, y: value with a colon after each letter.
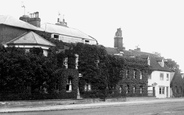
x: 118, y: 40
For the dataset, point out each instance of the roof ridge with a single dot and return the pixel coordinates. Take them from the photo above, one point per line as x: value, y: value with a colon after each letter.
x: 34, y: 36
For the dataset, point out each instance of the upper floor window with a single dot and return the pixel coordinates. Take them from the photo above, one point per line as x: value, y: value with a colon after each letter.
x: 148, y: 59
x: 167, y: 77
x: 126, y: 73
x: 162, y: 76
x: 140, y: 74
x: 134, y: 74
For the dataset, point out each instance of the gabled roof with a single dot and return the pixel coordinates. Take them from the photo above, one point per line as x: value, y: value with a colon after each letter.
x: 30, y: 38
x: 11, y: 21
x: 63, y: 30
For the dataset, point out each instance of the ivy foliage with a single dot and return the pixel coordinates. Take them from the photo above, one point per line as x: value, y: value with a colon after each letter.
x: 31, y: 72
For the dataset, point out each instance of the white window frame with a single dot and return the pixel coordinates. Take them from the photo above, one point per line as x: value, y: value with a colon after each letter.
x: 161, y: 90
x: 161, y: 76
x: 167, y: 78
x: 69, y: 85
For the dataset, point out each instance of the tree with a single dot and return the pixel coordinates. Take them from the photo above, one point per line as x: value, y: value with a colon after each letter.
x: 172, y: 65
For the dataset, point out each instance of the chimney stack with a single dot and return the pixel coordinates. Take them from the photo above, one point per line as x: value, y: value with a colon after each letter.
x: 32, y: 19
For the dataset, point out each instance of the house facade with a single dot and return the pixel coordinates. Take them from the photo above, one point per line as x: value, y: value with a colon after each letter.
x: 159, y: 84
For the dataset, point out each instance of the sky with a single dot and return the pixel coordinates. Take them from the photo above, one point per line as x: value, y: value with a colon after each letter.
x: 152, y: 25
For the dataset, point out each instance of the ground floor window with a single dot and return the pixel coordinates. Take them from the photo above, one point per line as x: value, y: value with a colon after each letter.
x: 127, y: 89
x: 161, y: 90
x: 69, y: 85
x: 141, y: 88
x: 134, y: 89
x: 87, y: 87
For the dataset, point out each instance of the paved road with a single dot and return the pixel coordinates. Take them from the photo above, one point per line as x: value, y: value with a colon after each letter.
x: 164, y: 108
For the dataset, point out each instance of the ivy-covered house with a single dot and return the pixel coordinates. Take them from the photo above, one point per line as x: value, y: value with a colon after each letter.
x: 133, y: 75
x: 27, y: 34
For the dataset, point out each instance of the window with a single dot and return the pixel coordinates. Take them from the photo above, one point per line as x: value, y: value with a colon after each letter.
x: 167, y: 77
x: 126, y: 73
x: 120, y: 89
x: 56, y: 36
x: 86, y: 41
x: 69, y: 85
x: 134, y: 74
x: 87, y: 87
x: 161, y: 90
x: 27, y: 50
x: 134, y: 89
x: 127, y: 89
x: 148, y: 59
x: 141, y: 88
x: 161, y: 76
x: 140, y: 74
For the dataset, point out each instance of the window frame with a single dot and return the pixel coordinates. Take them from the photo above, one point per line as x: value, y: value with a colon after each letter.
x: 161, y: 76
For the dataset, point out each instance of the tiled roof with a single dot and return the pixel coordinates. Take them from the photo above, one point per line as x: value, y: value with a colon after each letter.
x: 11, y: 21
x: 58, y: 29
x: 30, y: 38
x: 154, y: 60
x: 112, y: 51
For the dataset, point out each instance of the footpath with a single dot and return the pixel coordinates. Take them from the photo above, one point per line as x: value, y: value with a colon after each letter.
x: 52, y: 105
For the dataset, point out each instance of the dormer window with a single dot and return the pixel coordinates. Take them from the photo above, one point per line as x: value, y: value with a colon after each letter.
x: 86, y: 41
x: 148, y: 60
x: 161, y: 63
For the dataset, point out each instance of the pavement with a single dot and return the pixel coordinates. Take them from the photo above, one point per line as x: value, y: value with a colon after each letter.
x: 53, y: 105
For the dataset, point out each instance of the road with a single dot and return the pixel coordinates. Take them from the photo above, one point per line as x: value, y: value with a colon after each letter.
x: 164, y: 108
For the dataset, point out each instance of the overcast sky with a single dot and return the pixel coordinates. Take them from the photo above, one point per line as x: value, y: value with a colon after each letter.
x: 153, y: 25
